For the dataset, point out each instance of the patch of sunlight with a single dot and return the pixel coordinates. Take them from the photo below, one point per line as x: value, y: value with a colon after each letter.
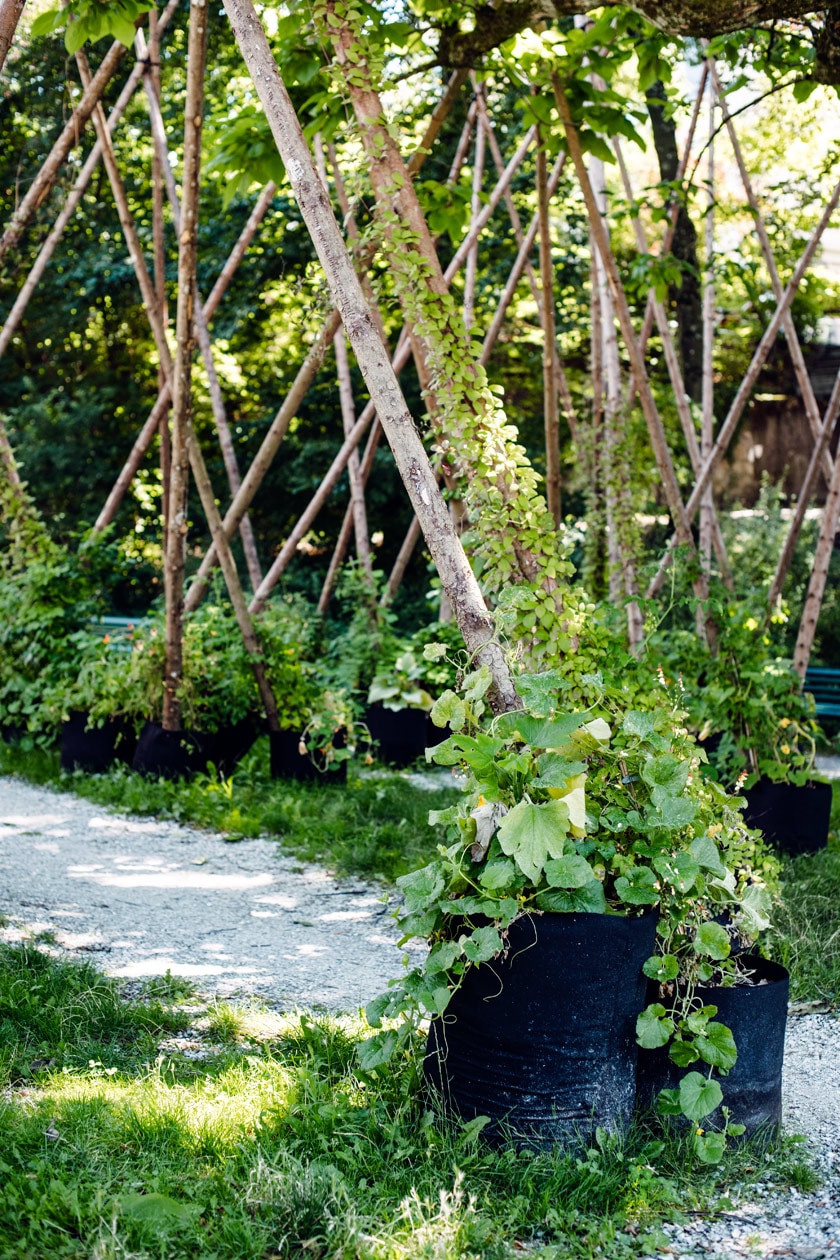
x: 172, y: 879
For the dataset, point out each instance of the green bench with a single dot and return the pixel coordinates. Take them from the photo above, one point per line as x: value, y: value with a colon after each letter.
x: 824, y: 686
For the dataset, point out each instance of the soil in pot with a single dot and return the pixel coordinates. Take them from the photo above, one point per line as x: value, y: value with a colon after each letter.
x: 791, y: 817
x: 756, y: 1013
x: 95, y: 749
x: 288, y: 762
x: 399, y: 733
x: 543, y: 1040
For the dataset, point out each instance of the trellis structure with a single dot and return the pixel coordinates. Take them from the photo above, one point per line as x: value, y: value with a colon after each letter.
x: 354, y: 322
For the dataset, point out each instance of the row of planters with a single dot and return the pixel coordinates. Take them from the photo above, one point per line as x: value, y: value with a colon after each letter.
x: 592, y: 917
x: 100, y: 688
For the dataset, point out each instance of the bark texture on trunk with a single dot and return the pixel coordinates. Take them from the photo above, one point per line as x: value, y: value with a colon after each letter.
x: 185, y: 332
x: 456, y: 576
x: 10, y: 11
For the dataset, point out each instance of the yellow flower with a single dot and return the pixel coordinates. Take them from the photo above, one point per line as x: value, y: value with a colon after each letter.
x: 786, y: 749
x: 751, y: 624
x: 784, y: 722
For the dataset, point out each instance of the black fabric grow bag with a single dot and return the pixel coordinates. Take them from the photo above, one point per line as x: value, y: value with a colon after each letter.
x: 543, y: 1040
x: 793, y: 818
x: 399, y: 733
x: 288, y: 762
x: 178, y: 754
x: 95, y: 749
x: 756, y: 1015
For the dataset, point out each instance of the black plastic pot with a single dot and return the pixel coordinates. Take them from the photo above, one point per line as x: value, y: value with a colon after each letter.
x: 95, y: 749
x: 543, y: 1041
x: 288, y: 762
x: 792, y: 818
x: 226, y: 747
x: 9, y: 733
x: 399, y: 733
x: 756, y: 1014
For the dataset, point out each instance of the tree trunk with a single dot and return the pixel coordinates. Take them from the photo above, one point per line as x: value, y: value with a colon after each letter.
x: 687, y: 298
x: 185, y: 333
x: 456, y: 576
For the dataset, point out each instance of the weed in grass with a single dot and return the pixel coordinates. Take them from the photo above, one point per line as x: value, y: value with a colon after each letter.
x: 225, y: 1021
x: 169, y: 988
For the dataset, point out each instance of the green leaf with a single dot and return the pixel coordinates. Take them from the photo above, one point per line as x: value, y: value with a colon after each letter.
x: 707, y: 856
x: 803, y: 89
x: 662, y: 968
x: 49, y: 21
x: 589, y: 899
x: 76, y: 34
x: 500, y: 873
x: 683, y: 1053
x: 668, y: 1102
x: 442, y: 956
x: 717, y: 1047
x: 375, y: 1051
x: 666, y: 771
x: 569, y: 871
x: 679, y: 869
x: 121, y: 28
x: 671, y: 812
x: 639, y: 724
x: 712, y: 940
x: 637, y: 888
x: 539, y: 732
x: 482, y: 944
x: 654, y: 1027
x: 709, y: 1147
x: 449, y: 710
x: 555, y: 770
x: 699, y: 1097
x: 756, y: 906
x: 422, y: 888
x: 532, y: 833
x: 539, y: 692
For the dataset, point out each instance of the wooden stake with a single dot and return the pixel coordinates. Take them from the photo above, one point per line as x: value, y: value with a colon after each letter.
x: 803, y: 379
x: 41, y: 185
x: 549, y: 358
x: 656, y: 432
x: 475, y: 210
x: 456, y: 575
x: 10, y: 11
x: 74, y: 197
x: 746, y: 387
x: 181, y: 375
x: 707, y: 508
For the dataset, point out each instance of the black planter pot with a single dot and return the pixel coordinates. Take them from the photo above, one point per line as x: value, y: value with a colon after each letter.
x: 756, y: 1014
x: 9, y: 733
x: 97, y: 748
x: 178, y: 754
x: 793, y: 818
x: 543, y: 1041
x: 399, y: 733
x: 287, y: 761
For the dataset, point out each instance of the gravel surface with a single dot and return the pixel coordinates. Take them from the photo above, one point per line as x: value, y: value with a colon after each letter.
x: 146, y: 896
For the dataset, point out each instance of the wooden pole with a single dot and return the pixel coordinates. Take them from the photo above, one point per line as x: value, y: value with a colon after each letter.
x: 803, y: 379
x: 42, y: 184
x: 819, y: 575
x: 653, y: 420
x: 143, y: 440
x: 805, y: 492
x: 707, y: 508
x: 475, y: 210
x: 10, y: 11
x: 551, y: 423
x: 181, y: 374
x: 456, y: 575
x: 48, y: 248
x: 746, y: 387
x: 158, y: 199
x: 675, y: 374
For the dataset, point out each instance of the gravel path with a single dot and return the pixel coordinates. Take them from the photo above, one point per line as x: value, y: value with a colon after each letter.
x: 146, y: 896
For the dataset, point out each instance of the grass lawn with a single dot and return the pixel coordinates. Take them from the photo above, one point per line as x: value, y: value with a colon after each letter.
x: 152, y: 1124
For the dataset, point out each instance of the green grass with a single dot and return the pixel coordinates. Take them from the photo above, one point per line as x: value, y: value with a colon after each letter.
x: 372, y: 826
x: 275, y: 1145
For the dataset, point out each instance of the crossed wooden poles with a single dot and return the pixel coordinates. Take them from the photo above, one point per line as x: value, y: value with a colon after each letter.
x: 194, y: 316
